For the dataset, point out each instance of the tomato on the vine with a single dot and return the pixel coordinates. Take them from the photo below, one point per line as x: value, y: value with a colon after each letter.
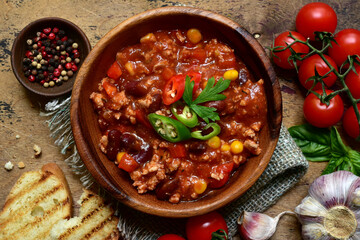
x: 350, y: 122
x: 201, y: 227
x: 352, y: 81
x: 281, y: 58
x: 347, y: 43
x: 319, y: 114
x: 307, y: 70
x: 170, y: 237
x: 316, y: 16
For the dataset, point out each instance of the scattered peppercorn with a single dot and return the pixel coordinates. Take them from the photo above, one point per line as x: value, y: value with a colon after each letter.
x: 51, y: 57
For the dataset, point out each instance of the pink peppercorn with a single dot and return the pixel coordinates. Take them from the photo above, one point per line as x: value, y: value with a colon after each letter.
x: 64, y: 39
x: 39, y: 43
x: 43, y: 35
x: 31, y: 78
x: 68, y: 66
x: 74, y: 68
x: 57, y: 72
x: 47, y: 30
x: 55, y: 30
x: 52, y: 36
x: 42, y: 82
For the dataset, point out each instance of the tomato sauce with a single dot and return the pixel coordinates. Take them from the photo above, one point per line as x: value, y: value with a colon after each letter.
x: 189, y: 169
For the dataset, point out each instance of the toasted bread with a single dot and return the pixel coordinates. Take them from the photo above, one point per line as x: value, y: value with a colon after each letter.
x: 36, y: 202
x: 96, y: 220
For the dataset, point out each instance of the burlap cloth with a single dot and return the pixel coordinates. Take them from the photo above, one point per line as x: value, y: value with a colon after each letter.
x: 286, y: 167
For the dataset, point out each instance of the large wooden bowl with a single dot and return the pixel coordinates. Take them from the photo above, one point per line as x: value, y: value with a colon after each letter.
x: 84, y: 119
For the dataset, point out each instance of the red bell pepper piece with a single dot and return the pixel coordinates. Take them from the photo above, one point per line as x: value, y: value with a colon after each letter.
x: 128, y: 163
x: 177, y: 150
x: 225, y: 169
x: 114, y: 71
x: 140, y: 117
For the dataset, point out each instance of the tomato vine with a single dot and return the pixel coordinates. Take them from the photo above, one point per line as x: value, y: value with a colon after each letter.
x: 327, y: 40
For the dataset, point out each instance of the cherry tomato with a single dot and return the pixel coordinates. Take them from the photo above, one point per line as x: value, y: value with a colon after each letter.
x: 352, y: 80
x: 350, y: 122
x: 201, y: 227
x: 114, y: 71
x: 225, y: 170
x: 348, y: 43
x: 307, y: 70
x: 319, y: 114
x: 174, y: 89
x: 170, y: 237
x: 315, y: 16
x: 282, y: 57
x: 196, y: 77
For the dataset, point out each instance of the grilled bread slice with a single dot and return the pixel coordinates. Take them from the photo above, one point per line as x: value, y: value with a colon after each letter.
x: 96, y: 220
x: 36, y: 202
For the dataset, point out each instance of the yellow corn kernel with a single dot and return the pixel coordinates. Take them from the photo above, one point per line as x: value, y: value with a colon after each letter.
x: 150, y: 37
x: 119, y: 156
x: 214, y: 142
x: 130, y: 68
x: 204, y: 83
x: 231, y: 75
x: 225, y: 147
x: 194, y: 35
x: 236, y: 147
x: 200, y: 186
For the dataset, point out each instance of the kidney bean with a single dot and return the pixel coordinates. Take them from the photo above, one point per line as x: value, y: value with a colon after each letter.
x: 114, y: 144
x: 167, y: 188
x: 136, y: 88
x: 156, y: 103
x: 140, y: 150
x: 197, y: 148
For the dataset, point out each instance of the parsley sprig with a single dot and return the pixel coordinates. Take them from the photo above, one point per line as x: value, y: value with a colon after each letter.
x: 211, y: 92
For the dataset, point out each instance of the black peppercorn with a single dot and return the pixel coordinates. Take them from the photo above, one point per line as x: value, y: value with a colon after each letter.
x: 69, y: 49
x: 44, y: 68
x: 53, y: 45
x: 36, y: 52
x: 52, y: 62
x: 27, y: 61
x: 47, y: 43
x: 53, y: 51
x: 65, y: 43
x: 62, y: 47
x: 51, y: 68
x: 41, y: 76
x: 48, y: 49
x: 61, y: 33
x: 34, y: 72
x: 58, y: 42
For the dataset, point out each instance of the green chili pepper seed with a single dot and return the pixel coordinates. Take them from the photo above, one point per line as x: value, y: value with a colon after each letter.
x: 168, y: 128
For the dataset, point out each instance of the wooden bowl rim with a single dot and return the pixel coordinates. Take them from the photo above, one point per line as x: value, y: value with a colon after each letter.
x: 17, y: 42
x: 82, y: 144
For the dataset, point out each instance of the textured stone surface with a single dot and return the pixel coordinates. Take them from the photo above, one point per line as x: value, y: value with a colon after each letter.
x: 19, y: 110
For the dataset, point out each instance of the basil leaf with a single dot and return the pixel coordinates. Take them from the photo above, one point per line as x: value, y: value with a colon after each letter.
x: 315, y: 143
x: 354, y: 158
x: 332, y: 165
x: 337, y: 145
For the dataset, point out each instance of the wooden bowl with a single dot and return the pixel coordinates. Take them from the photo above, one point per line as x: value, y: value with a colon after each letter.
x: 84, y: 119
x: 19, y: 49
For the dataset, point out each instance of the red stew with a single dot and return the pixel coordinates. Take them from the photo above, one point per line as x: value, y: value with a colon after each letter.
x: 147, y: 78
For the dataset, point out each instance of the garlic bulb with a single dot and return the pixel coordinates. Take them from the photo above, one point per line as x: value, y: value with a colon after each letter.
x: 258, y: 226
x: 331, y: 210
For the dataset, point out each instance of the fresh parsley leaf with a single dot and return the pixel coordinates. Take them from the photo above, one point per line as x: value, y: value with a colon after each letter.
x: 211, y: 92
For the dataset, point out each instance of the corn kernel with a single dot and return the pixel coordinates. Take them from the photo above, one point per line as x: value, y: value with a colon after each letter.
x: 214, y: 142
x: 200, y: 186
x: 204, y: 83
x: 236, y: 147
x: 119, y: 156
x: 231, y: 75
x: 225, y: 147
x: 130, y: 68
x: 194, y: 35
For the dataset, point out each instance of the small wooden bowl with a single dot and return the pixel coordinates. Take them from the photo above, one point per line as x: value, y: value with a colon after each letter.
x: 84, y: 119
x: 19, y: 49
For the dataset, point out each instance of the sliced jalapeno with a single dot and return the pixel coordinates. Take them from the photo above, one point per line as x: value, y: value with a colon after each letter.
x: 209, y: 131
x: 188, y: 117
x: 168, y: 128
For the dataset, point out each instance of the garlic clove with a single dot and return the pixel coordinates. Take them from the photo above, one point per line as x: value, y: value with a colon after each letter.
x: 310, y: 210
x: 314, y: 231
x: 332, y: 189
x: 258, y: 226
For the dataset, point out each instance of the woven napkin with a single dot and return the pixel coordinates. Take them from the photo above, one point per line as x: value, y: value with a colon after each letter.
x: 285, y: 168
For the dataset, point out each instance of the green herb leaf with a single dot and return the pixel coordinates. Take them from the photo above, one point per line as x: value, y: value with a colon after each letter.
x: 314, y: 142
x: 319, y: 144
x: 219, y: 235
x: 211, y: 92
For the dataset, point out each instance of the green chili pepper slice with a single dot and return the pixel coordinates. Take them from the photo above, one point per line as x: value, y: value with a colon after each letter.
x: 168, y: 128
x: 209, y: 131
x: 188, y: 117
